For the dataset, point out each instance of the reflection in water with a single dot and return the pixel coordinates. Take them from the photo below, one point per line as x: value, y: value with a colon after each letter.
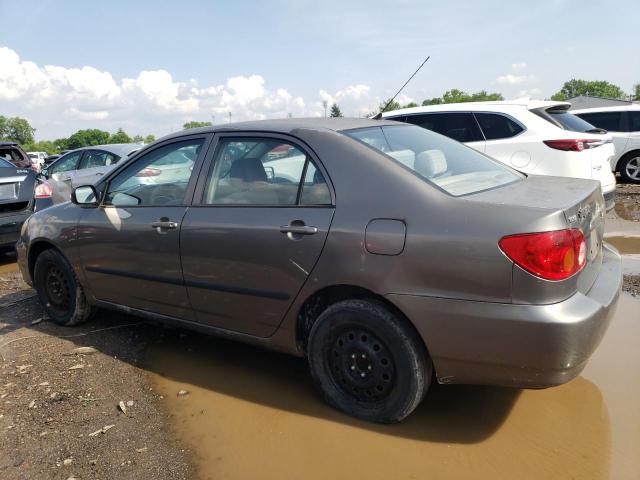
x: 625, y: 245
x: 254, y: 414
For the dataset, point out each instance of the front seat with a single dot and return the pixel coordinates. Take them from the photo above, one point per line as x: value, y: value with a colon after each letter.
x: 250, y: 184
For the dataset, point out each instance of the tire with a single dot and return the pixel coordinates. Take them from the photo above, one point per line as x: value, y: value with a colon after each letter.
x: 629, y: 167
x: 59, y: 290
x: 367, y: 362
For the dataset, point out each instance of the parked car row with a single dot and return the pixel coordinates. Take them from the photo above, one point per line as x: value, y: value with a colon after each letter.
x: 384, y: 253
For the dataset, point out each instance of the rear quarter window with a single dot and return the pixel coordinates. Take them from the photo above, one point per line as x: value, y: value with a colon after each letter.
x: 496, y: 126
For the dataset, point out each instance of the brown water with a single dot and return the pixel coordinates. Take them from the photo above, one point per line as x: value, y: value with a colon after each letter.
x: 254, y: 414
x: 8, y: 263
x: 625, y: 245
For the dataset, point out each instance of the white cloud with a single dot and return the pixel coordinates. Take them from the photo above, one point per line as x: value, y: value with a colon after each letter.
x: 510, y: 79
x: 518, y: 66
x: 58, y: 100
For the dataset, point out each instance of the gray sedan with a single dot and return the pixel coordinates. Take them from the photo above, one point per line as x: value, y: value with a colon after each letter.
x: 384, y: 253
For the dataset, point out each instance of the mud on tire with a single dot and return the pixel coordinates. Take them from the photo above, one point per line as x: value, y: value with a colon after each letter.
x: 367, y: 362
x: 59, y: 291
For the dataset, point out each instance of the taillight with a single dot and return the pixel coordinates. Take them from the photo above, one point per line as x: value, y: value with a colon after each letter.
x: 555, y: 255
x: 43, y: 190
x: 573, y: 145
x: 148, y: 172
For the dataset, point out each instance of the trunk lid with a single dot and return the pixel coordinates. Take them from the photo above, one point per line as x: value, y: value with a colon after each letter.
x: 16, y: 189
x: 542, y: 203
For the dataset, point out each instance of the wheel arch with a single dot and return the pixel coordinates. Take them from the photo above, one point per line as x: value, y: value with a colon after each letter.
x: 35, y: 249
x: 628, y: 154
x: 322, y: 299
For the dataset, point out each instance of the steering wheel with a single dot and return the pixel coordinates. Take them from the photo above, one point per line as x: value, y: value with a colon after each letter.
x: 166, y: 194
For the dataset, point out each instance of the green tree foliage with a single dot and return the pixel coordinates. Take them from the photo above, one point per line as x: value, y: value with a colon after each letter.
x: 594, y: 88
x: 636, y: 92
x: 41, y: 146
x: 16, y: 129
x: 138, y: 139
x: 86, y: 138
x: 410, y: 105
x: 335, y: 111
x: 459, y: 96
x: 149, y: 139
x: 392, y: 106
x: 119, y: 137
x: 195, y: 124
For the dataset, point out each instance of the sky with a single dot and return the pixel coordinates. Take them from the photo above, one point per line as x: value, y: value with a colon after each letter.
x: 150, y: 66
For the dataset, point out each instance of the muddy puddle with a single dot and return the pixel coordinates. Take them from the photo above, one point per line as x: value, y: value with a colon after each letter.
x: 625, y: 245
x: 254, y: 414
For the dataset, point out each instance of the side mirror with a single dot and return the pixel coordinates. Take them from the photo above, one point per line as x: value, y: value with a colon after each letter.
x: 84, y: 195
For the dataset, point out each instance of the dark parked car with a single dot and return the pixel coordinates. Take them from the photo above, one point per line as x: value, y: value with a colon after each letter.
x: 382, y: 252
x: 16, y: 201
x: 13, y: 152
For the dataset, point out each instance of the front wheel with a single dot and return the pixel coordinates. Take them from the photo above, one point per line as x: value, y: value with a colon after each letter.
x: 59, y: 290
x: 630, y: 167
x: 367, y: 362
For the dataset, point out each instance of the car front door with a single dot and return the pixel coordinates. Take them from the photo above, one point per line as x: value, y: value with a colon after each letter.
x: 129, y: 245
x: 258, y: 224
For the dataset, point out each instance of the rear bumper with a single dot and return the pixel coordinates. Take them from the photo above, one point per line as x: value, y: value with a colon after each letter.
x: 526, y: 346
x: 10, y: 228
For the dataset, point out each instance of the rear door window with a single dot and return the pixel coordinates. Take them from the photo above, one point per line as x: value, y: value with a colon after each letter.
x: 496, y: 126
x: 460, y: 126
x: 610, y: 121
x: 98, y: 158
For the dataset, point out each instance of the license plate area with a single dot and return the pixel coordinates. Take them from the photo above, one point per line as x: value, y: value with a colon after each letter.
x: 8, y: 191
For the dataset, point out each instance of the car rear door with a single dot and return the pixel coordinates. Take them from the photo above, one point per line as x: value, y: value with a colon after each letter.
x: 460, y: 126
x: 94, y: 164
x: 130, y: 244
x: 500, y: 132
x: 256, y: 228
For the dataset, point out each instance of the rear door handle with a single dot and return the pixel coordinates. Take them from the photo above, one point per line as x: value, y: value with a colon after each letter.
x: 299, y: 229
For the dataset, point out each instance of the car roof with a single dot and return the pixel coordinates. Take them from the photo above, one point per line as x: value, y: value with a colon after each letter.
x: 9, y: 144
x: 492, y: 106
x: 287, y: 125
x: 120, y: 149
x: 617, y: 108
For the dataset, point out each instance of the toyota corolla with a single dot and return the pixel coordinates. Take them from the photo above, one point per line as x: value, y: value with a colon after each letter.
x: 385, y: 254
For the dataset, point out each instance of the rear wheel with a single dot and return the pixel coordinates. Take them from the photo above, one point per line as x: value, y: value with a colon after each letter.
x: 367, y: 362
x: 59, y: 290
x: 630, y: 167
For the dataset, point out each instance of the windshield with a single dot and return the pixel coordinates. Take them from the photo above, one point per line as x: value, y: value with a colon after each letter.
x: 455, y: 168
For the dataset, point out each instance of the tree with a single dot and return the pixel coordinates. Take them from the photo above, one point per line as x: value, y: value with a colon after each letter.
x: 149, y: 139
x: 16, y: 129
x: 459, y: 96
x: 84, y: 138
x: 636, y: 92
x: 392, y: 106
x: 119, y: 137
x: 61, y: 143
x: 138, y: 139
x: 410, y: 105
x: 195, y: 124
x: 41, y: 146
x: 594, y: 88
x: 335, y: 111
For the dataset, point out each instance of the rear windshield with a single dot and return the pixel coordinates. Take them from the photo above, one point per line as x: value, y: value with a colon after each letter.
x: 451, y: 166
x: 566, y: 120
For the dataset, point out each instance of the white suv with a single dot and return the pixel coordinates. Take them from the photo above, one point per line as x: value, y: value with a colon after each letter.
x: 623, y: 123
x: 536, y: 137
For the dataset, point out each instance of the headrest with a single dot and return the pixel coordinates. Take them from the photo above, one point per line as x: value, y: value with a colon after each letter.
x: 249, y: 170
x: 430, y: 163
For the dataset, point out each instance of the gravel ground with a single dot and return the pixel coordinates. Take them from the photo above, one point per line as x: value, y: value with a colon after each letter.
x: 628, y: 208
x: 59, y: 413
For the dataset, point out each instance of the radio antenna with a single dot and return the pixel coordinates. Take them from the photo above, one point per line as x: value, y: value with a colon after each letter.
x: 379, y: 115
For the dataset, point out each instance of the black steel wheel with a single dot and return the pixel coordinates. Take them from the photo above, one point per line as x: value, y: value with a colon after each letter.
x: 59, y: 290
x: 368, y: 361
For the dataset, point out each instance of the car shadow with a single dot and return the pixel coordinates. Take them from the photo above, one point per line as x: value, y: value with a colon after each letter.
x: 450, y: 414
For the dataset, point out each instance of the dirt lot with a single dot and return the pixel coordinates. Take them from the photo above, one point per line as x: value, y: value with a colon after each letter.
x: 248, y: 413
x: 53, y: 400
x: 628, y: 208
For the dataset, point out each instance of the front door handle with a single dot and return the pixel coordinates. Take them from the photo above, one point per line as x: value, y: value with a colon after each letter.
x: 164, y: 225
x: 299, y: 229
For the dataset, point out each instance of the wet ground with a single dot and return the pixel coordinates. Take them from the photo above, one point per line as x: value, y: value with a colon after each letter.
x: 240, y: 412
x: 254, y: 414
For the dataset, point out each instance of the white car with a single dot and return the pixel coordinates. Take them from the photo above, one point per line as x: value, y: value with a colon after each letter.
x: 623, y: 123
x: 536, y: 137
x: 37, y: 159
